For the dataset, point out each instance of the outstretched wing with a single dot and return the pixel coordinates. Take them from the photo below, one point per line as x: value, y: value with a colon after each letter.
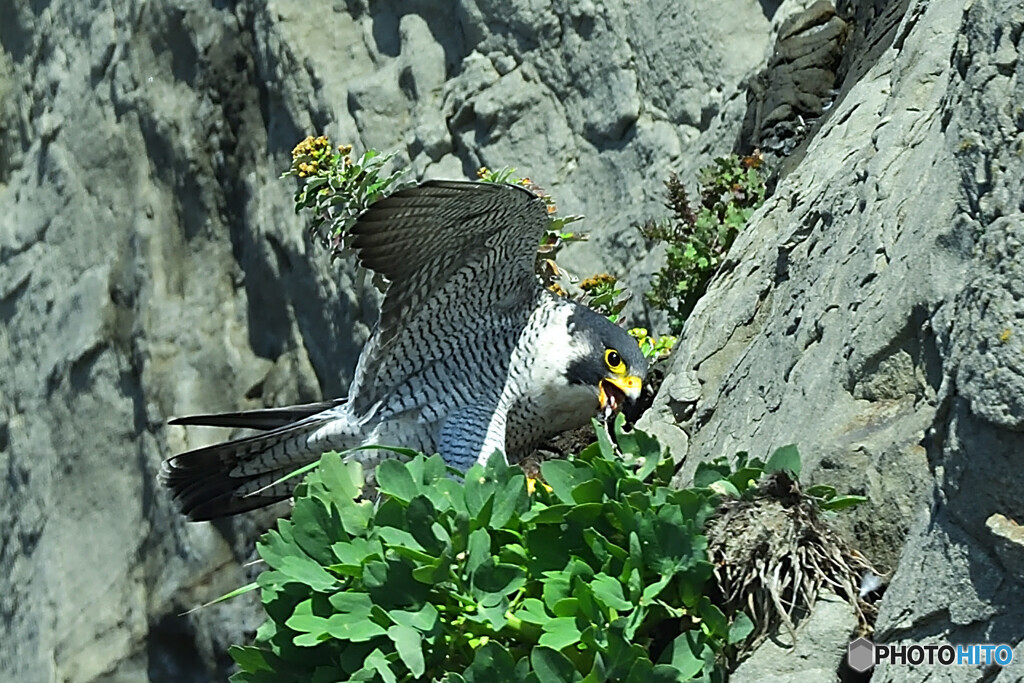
x: 459, y: 257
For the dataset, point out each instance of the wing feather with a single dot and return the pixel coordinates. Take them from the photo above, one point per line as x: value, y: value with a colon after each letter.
x: 418, y: 237
x: 459, y: 258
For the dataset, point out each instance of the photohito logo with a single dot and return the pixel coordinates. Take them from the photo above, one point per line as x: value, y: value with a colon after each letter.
x: 863, y: 654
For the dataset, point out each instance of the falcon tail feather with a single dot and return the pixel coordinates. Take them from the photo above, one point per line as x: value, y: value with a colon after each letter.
x: 239, y: 475
x: 262, y: 418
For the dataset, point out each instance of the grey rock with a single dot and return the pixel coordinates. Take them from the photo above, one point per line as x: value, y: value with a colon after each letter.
x: 798, y: 84
x: 869, y: 315
x: 819, y: 643
x: 1009, y: 543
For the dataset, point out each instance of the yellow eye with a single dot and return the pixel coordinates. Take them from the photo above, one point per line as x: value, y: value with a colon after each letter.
x: 614, y: 362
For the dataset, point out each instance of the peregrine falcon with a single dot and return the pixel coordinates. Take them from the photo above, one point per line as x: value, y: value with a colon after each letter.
x: 470, y: 355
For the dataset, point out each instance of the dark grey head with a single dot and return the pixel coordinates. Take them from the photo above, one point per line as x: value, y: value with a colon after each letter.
x: 610, y: 360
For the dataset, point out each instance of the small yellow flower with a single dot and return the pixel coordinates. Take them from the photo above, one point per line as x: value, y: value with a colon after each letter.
x: 483, y: 172
x: 596, y: 281
x: 302, y: 149
x: 1004, y: 336
x: 531, y: 485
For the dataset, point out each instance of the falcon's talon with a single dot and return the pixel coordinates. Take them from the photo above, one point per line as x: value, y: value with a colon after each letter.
x: 470, y: 354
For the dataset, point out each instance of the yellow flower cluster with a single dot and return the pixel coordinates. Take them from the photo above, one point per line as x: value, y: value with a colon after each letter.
x: 307, y: 155
x: 314, y: 147
x: 592, y: 283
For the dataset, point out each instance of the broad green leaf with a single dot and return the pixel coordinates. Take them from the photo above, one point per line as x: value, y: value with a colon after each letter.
x: 394, y: 479
x: 513, y: 553
x: 640, y: 672
x: 344, y: 479
x: 493, y: 614
x: 532, y: 612
x: 552, y: 514
x: 561, y: 476
x: 746, y: 477
x: 420, y: 516
x: 559, y: 633
x: 685, y: 655
x: 433, y: 572
x: 409, y: 645
x: 709, y: 472
x: 552, y: 666
x: 609, y: 591
x: 821, y: 491
x: 666, y: 673
x: 377, y: 661
x: 345, y: 627
x: 304, y: 570
x: 599, y: 544
x: 604, y: 442
x: 588, y: 492
x: 741, y: 628
x: 391, y: 584
x: 786, y: 458
x: 653, y: 590
x: 491, y: 663
x: 453, y: 493
x: 712, y: 617
x: 400, y: 538
x: 311, y: 521
x: 355, y: 516
x: 842, y: 502
x: 566, y: 607
x: 584, y: 514
x: 351, y: 603
x: 634, y: 621
x: 424, y: 619
x: 478, y: 549
x: 480, y: 490
x: 556, y: 587
x: 724, y: 487
x: 497, y: 580
x: 252, y: 659
x: 354, y: 552
x: 693, y: 582
x: 509, y: 499
x: 304, y: 621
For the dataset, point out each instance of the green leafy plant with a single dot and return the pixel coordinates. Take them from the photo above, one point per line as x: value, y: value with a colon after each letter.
x: 336, y: 188
x: 654, y: 348
x: 698, y: 236
x: 601, y: 574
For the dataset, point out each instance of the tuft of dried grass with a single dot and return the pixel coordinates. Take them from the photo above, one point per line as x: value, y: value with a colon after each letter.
x: 774, y: 553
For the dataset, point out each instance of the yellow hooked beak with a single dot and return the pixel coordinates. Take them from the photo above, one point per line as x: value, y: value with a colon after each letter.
x: 613, y: 392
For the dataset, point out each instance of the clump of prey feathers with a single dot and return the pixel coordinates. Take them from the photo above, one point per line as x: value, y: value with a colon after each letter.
x: 470, y: 355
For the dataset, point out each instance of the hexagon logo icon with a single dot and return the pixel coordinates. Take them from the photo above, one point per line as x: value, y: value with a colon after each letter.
x: 861, y: 655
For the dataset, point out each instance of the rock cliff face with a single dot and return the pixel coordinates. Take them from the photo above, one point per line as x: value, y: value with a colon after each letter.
x: 150, y: 265
x: 873, y: 316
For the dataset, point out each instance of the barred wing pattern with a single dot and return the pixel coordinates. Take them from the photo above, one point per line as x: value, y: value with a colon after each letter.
x: 459, y: 257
